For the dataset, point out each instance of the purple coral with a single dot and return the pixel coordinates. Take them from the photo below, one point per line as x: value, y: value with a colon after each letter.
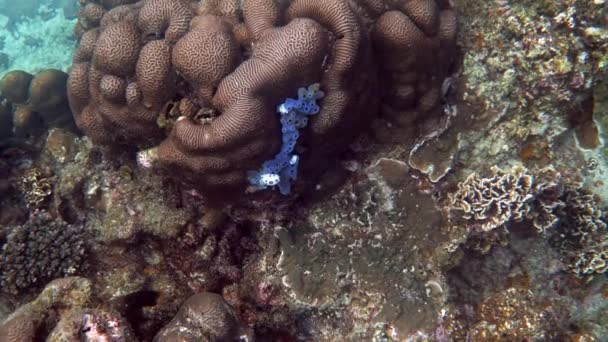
x: 283, y: 168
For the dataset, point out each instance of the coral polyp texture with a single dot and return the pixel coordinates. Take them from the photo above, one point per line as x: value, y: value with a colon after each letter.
x: 40, y: 250
x: 201, y: 82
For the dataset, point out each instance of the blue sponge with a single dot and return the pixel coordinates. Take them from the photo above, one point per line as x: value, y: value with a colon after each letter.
x: 282, y: 170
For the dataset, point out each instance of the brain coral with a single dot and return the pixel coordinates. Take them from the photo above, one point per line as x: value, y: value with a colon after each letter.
x: 36, y: 100
x: 221, y: 67
x: 415, y: 43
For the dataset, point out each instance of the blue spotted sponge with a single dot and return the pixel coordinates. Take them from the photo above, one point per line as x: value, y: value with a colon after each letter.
x: 282, y: 170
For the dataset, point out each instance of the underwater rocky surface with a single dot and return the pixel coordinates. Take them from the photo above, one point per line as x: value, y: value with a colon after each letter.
x: 472, y: 211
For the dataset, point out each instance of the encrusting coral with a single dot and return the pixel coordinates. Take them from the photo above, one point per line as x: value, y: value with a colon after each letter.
x: 222, y: 67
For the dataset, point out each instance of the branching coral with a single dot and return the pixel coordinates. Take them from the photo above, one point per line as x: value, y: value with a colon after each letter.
x: 222, y: 67
x: 40, y: 250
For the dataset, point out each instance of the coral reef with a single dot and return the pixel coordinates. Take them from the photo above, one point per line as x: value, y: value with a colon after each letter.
x: 491, y: 202
x: 91, y: 325
x: 567, y: 213
x: 582, y: 232
x: 70, y: 176
x: 60, y: 313
x: 521, y: 291
x: 223, y: 77
x: 37, y: 102
x: 203, y: 317
x: 29, y: 322
x: 123, y: 212
x: 40, y: 250
x: 550, y: 57
x: 26, y: 9
x: 364, y: 252
x: 471, y: 207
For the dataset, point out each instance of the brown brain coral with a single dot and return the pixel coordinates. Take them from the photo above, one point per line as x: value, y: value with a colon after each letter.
x: 36, y: 101
x: 245, y: 134
x: 415, y: 43
x: 223, y: 67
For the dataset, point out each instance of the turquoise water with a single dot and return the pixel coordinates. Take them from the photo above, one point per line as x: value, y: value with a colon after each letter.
x: 36, y: 35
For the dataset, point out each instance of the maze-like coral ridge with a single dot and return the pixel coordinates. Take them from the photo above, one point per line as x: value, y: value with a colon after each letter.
x: 221, y: 67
